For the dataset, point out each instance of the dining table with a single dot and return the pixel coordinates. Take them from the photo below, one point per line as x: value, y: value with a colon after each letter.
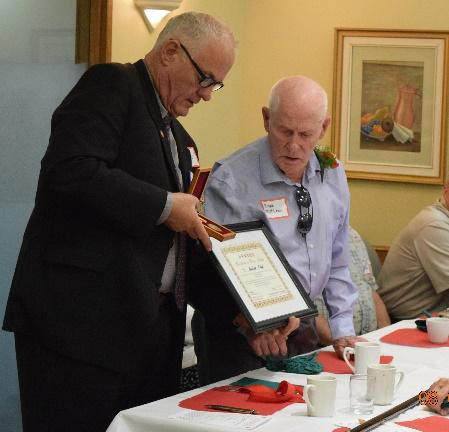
x: 422, y: 365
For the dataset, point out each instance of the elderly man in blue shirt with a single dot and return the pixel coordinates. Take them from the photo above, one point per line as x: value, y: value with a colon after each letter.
x: 278, y: 179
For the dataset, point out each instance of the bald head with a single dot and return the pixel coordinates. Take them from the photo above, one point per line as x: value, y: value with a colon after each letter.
x: 298, y: 94
x: 295, y: 119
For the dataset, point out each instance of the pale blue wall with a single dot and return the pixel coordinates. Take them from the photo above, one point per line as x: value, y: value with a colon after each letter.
x: 36, y: 71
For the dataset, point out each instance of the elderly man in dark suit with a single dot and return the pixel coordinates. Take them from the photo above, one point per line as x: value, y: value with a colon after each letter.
x: 97, y: 302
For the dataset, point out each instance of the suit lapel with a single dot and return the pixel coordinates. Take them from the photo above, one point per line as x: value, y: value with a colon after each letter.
x: 155, y: 113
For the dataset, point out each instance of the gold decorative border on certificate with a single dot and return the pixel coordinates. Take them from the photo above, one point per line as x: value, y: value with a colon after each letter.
x: 251, y: 246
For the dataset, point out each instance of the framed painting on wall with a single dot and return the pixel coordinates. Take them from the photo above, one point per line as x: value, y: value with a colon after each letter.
x: 390, y: 104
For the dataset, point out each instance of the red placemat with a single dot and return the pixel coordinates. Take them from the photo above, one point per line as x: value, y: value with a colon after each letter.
x: 428, y: 424
x: 332, y: 363
x: 231, y: 396
x: 411, y: 337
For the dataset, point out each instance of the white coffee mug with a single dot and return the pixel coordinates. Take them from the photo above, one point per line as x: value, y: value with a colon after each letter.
x: 437, y: 329
x: 365, y: 353
x: 385, y: 386
x: 319, y: 394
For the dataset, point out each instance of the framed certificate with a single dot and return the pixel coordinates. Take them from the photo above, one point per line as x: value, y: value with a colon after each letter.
x: 260, y: 278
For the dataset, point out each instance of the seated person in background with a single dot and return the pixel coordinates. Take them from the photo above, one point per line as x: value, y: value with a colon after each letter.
x: 415, y: 274
x: 279, y: 179
x: 369, y: 312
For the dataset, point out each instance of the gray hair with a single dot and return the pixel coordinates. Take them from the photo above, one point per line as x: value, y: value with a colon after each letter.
x: 296, y: 85
x: 195, y: 27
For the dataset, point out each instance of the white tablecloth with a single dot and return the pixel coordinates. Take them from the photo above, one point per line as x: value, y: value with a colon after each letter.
x: 422, y: 366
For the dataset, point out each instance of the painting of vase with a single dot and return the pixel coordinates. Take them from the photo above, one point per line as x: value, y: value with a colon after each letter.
x: 391, y: 106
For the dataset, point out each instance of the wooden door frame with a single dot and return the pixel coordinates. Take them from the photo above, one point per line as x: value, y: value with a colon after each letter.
x: 93, y: 31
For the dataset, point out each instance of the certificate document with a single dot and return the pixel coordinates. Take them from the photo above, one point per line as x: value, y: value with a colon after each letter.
x: 259, y: 277
x: 257, y: 274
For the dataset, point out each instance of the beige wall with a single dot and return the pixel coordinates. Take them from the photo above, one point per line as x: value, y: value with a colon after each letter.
x: 285, y: 38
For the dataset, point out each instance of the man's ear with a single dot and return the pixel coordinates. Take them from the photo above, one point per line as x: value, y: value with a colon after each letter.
x: 266, y: 118
x: 324, y: 126
x: 170, y: 51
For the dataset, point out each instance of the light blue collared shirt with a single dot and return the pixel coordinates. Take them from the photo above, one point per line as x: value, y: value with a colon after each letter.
x: 241, y: 185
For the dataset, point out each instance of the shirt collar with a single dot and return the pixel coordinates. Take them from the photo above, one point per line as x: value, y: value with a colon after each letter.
x: 164, y: 112
x: 270, y: 172
x: 313, y: 167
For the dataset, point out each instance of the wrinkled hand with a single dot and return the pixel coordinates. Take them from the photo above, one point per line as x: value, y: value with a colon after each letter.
x: 273, y: 342
x: 184, y: 218
x: 346, y: 341
x: 442, y: 388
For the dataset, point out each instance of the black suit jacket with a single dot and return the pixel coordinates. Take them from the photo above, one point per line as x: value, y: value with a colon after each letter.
x: 87, y: 278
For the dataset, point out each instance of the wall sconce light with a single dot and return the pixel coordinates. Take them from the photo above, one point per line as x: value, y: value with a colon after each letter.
x: 154, y: 11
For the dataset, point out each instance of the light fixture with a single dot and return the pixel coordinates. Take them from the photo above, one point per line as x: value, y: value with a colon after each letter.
x: 154, y: 11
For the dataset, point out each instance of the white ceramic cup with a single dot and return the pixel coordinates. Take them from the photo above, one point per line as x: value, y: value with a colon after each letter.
x: 437, y: 329
x: 319, y: 394
x: 365, y: 353
x: 385, y: 386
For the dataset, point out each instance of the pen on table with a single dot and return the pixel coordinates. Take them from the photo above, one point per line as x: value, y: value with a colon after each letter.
x: 232, y: 409
x: 376, y: 421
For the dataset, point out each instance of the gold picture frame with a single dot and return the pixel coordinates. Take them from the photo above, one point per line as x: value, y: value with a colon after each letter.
x: 390, y: 104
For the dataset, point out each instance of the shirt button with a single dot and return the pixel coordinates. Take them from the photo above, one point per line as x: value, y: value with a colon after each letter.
x: 313, y: 274
x: 311, y: 246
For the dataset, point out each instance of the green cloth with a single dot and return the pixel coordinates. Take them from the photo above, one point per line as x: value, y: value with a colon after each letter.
x: 301, y: 365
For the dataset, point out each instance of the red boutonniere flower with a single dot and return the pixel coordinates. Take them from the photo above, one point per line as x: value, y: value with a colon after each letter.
x: 326, y: 158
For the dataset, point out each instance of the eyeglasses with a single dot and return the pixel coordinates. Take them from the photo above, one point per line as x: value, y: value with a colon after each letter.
x: 205, y: 81
x: 304, y: 200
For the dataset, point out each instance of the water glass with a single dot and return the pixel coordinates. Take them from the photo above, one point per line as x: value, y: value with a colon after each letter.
x: 361, y: 393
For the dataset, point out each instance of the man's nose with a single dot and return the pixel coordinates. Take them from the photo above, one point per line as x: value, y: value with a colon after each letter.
x: 205, y: 93
x: 295, y: 142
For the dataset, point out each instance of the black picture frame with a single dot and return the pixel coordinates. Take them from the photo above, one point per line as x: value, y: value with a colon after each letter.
x: 273, y: 322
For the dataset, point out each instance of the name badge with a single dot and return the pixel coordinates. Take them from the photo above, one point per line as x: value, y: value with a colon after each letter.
x: 194, y: 157
x: 275, y: 208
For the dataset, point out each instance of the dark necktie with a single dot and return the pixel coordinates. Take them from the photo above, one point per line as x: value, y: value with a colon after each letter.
x: 181, y: 240
x: 167, y: 121
x: 180, y: 280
